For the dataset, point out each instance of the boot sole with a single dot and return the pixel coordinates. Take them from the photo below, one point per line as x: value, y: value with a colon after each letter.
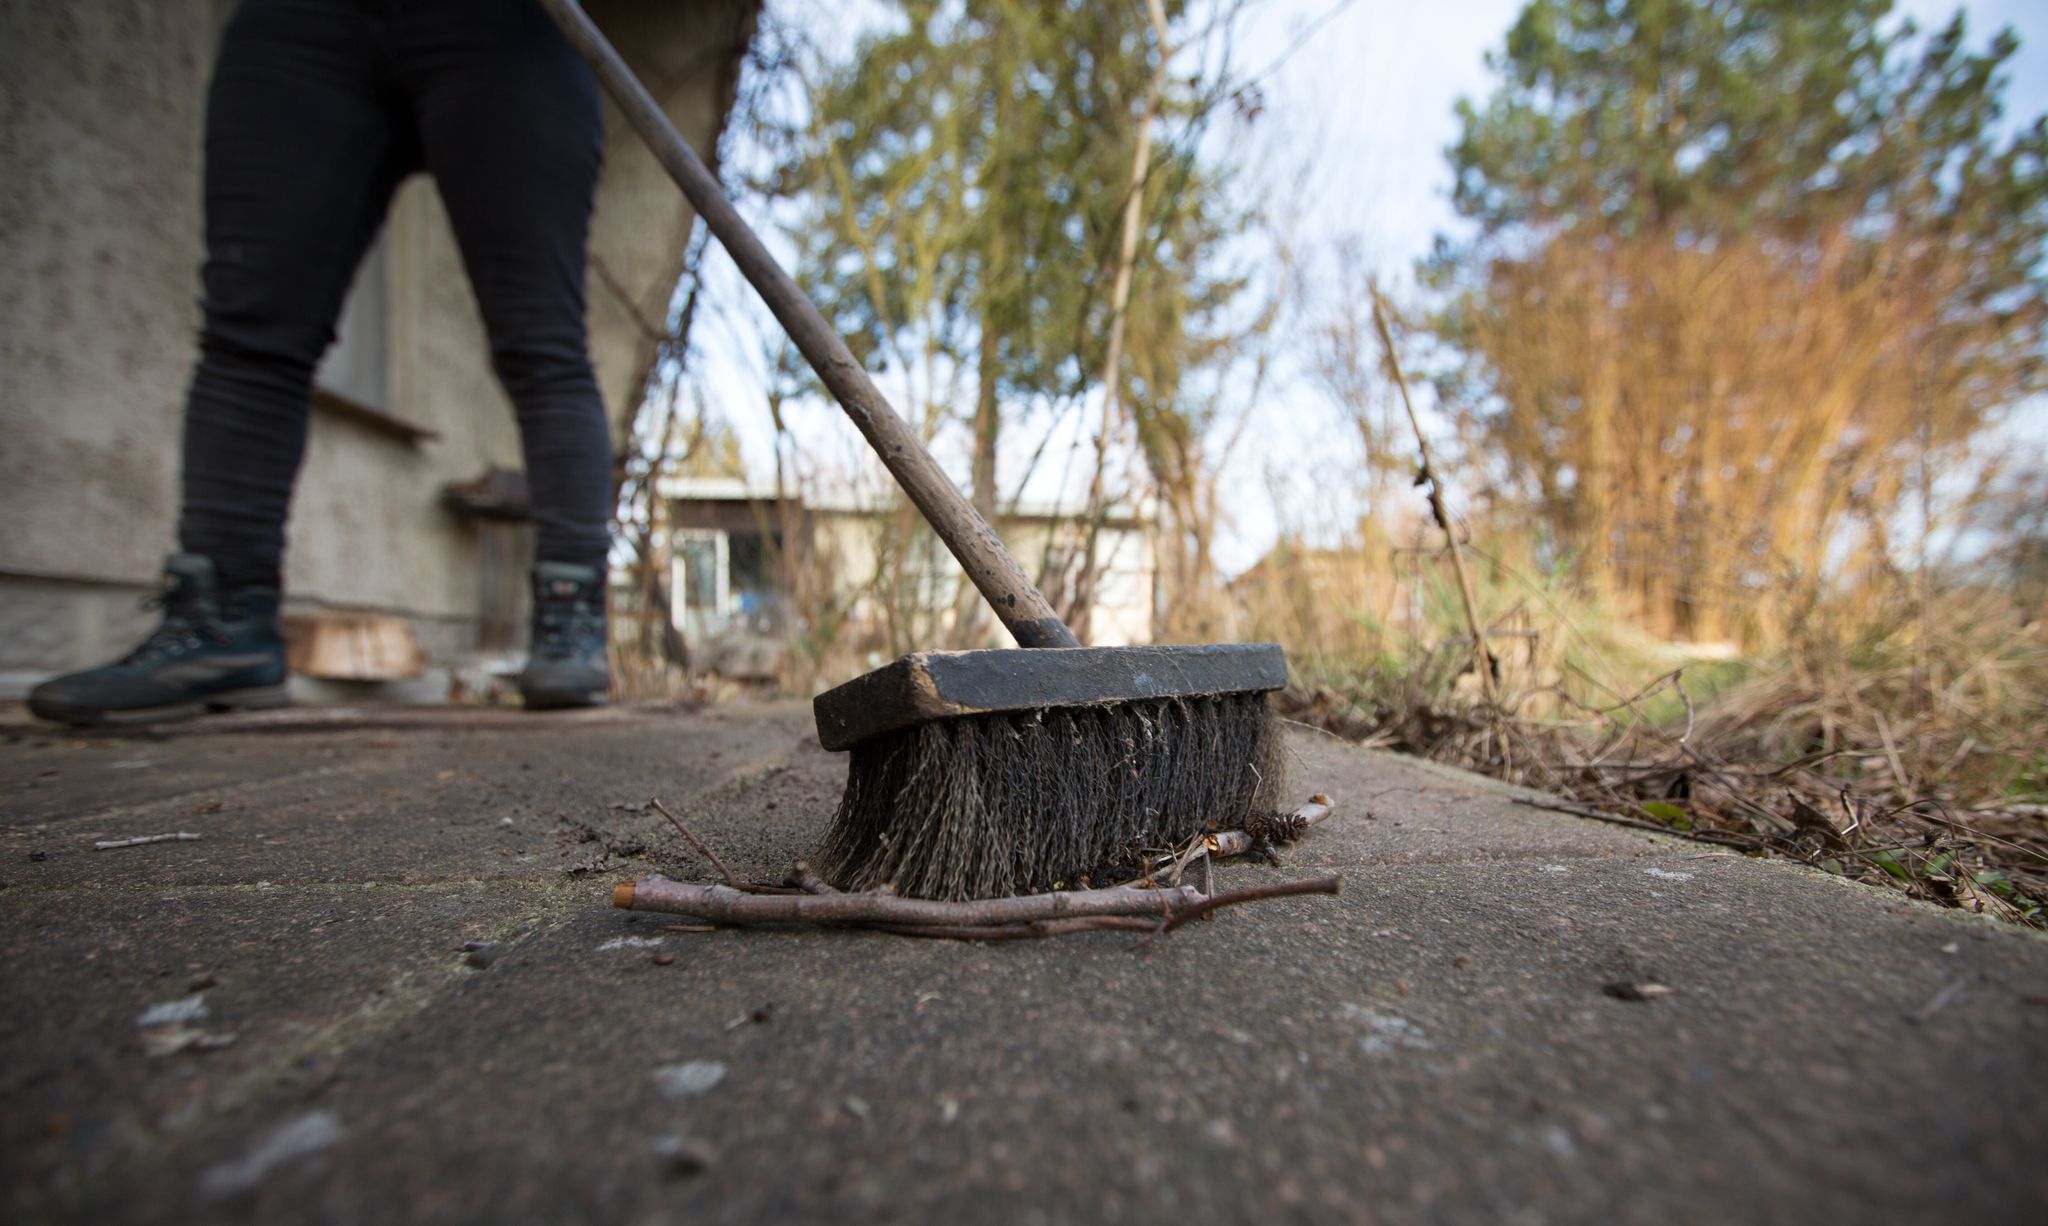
x: 257, y: 698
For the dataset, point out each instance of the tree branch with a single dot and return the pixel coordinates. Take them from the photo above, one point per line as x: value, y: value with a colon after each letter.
x: 696, y: 842
x: 1214, y: 902
x: 729, y: 905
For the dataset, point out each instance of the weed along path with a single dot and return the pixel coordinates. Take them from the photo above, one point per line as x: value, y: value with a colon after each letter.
x: 385, y: 981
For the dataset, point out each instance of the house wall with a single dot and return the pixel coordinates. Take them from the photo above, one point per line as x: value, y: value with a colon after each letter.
x: 101, y: 112
x: 842, y: 546
x: 100, y: 106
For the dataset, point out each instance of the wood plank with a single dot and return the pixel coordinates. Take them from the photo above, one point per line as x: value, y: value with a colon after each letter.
x: 353, y: 647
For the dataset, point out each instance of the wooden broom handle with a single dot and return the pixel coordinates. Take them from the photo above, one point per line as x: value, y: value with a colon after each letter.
x: 1002, y: 581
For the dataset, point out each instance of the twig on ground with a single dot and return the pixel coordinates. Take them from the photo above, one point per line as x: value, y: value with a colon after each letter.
x: 805, y: 897
x: 1035, y: 930
x: 1028, y: 917
x: 801, y: 876
x: 181, y: 836
x: 1287, y: 827
x: 1279, y: 889
x: 730, y: 905
x: 1282, y: 828
x: 696, y: 842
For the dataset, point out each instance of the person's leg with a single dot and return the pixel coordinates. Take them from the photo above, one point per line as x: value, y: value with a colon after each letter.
x: 307, y: 136
x: 513, y: 135
x: 305, y: 141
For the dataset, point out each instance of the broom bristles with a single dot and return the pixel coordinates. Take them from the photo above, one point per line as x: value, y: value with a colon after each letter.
x: 995, y: 805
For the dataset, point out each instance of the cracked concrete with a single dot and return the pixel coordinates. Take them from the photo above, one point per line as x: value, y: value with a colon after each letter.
x: 436, y: 1015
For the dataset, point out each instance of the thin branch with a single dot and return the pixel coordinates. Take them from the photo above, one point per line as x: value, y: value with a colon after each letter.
x: 730, y: 905
x: 182, y: 836
x: 696, y: 842
x: 801, y: 876
x: 1227, y: 843
x: 1214, y: 902
x: 1429, y: 477
x: 1035, y: 930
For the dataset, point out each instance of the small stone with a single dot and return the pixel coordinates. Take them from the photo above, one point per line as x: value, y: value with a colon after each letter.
x: 481, y: 958
x: 1642, y: 992
x: 39, y: 856
x: 200, y: 982
x: 690, y: 1078
x: 664, y: 959
x: 172, y: 1012
x: 286, y: 1144
x: 683, y: 1157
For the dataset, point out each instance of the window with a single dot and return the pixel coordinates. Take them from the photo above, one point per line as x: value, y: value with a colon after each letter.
x: 699, y: 585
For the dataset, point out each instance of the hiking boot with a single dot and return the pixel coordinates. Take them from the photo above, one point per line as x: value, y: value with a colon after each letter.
x: 214, y: 651
x: 567, y: 666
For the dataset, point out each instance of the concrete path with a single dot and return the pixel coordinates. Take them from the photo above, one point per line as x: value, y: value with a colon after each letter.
x: 1435, y: 1044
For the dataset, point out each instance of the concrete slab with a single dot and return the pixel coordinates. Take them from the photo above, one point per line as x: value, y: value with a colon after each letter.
x: 286, y: 977
x: 1436, y: 1043
x: 1402, y: 811
x: 354, y: 804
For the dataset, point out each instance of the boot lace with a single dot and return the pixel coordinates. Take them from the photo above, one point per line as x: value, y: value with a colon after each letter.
x: 566, y: 627
x: 189, y: 623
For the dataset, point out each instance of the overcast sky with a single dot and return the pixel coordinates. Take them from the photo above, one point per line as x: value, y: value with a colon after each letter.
x: 1367, y: 96
x: 1376, y: 82
x: 1373, y: 90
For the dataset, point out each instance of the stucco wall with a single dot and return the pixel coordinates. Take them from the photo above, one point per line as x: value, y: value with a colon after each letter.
x: 687, y: 55
x: 101, y: 107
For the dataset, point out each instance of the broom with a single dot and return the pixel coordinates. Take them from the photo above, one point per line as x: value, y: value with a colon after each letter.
x: 981, y: 774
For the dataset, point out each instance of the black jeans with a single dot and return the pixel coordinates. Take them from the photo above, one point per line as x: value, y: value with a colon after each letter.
x: 318, y: 109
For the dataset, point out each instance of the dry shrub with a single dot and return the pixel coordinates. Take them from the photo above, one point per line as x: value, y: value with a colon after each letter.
x: 1947, y: 704
x: 1908, y: 748
x: 1723, y: 429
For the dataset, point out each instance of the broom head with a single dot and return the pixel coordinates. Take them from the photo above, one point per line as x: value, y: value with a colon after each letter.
x: 986, y: 774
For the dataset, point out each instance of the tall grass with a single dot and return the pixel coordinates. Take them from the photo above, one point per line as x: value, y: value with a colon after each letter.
x: 1896, y: 736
